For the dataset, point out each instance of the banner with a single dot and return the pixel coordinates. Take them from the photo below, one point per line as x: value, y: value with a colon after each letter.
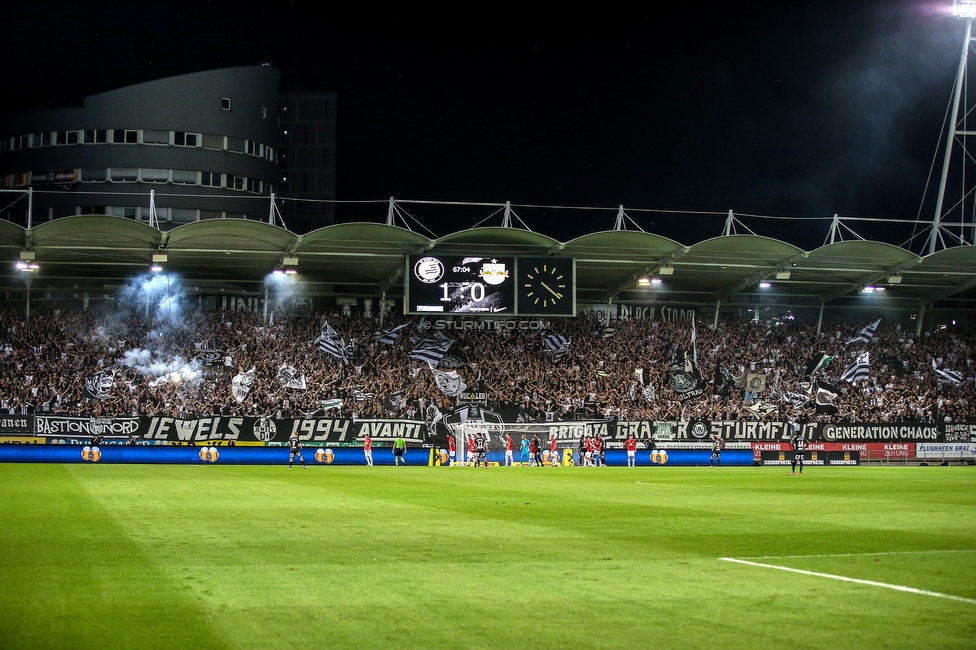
x: 167, y: 430
x: 16, y: 424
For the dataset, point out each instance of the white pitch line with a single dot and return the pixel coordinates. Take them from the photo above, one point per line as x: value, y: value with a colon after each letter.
x: 777, y: 557
x: 870, y: 583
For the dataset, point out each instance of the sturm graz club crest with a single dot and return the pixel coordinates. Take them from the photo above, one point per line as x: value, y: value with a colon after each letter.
x: 265, y: 430
x: 698, y: 430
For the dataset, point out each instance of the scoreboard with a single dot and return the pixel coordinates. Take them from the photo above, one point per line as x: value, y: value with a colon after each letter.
x: 490, y: 285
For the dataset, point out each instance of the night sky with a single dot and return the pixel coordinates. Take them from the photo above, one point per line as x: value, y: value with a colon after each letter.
x: 782, y: 109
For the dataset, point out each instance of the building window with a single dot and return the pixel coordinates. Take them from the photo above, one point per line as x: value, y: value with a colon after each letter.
x: 185, y: 177
x: 184, y: 139
x: 96, y: 136
x: 235, y: 182
x: 67, y: 137
x: 264, y: 112
x: 122, y: 136
x: 150, y: 136
x: 211, y: 179
x: 93, y: 175
x: 155, y: 175
x: 225, y: 103
x: 124, y: 175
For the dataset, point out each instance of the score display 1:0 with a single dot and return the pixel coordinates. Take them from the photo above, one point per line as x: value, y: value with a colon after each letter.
x: 466, y: 285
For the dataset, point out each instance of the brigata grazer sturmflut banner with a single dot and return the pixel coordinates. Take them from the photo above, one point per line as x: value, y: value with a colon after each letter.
x: 163, y: 430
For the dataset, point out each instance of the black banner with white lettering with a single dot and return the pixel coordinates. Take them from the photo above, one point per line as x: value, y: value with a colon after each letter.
x: 16, y: 424
x: 253, y: 430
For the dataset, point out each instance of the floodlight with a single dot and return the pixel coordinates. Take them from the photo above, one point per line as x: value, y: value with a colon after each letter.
x: 894, y: 279
x: 155, y: 268
x: 964, y: 8
x: 666, y: 270
x: 291, y: 271
x: 782, y: 275
x: 764, y: 285
x: 160, y: 258
x: 656, y: 280
x: 643, y: 282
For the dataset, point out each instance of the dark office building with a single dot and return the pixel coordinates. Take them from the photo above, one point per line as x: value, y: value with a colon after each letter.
x: 204, y: 146
x: 307, y: 158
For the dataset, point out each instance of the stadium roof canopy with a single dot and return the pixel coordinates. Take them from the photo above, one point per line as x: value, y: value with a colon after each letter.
x: 234, y: 256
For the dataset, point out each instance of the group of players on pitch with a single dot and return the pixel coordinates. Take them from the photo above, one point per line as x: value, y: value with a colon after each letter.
x: 590, y: 451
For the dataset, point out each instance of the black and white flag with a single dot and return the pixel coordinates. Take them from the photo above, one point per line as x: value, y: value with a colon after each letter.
x: 395, y: 401
x: 389, y: 336
x: 449, y: 361
x: 796, y: 400
x: 951, y: 377
x: 330, y: 343
x: 291, y: 377
x: 866, y: 334
x: 826, y: 398
x: 450, y: 383
x: 558, y: 345
x: 99, y: 385
x: 723, y: 381
x: 860, y: 370
x: 685, y: 379
x: 430, y: 350
x: 361, y: 395
x: 644, y: 379
x: 240, y: 385
x: 761, y: 409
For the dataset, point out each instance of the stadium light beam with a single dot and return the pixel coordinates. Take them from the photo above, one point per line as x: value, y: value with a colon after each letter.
x: 964, y: 8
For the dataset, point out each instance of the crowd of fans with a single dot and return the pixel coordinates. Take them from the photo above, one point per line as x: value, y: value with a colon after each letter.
x: 156, y: 366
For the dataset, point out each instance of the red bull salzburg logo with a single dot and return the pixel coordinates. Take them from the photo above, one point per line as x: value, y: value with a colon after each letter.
x: 208, y: 454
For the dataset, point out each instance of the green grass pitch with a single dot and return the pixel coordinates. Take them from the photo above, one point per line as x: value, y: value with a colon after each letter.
x: 115, y: 556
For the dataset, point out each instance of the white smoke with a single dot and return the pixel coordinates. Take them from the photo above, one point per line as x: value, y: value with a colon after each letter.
x: 176, y: 369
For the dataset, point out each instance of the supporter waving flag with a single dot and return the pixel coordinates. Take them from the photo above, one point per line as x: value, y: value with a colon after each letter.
x: 430, y: 350
x: 330, y: 343
x: 558, y: 345
x: 826, y: 398
x: 291, y: 377
x: 389, y: 336
x: 240, y: 385
x: 866, y: 334
x: 860, y: 370
x: 99, y: 385
x: 818, y: 362
x: 951, y: 377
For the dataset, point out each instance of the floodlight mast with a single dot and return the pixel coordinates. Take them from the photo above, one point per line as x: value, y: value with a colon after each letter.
x: 965, y: 9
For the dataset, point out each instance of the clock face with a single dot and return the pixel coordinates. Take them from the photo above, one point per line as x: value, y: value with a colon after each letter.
x: 545, y: 286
